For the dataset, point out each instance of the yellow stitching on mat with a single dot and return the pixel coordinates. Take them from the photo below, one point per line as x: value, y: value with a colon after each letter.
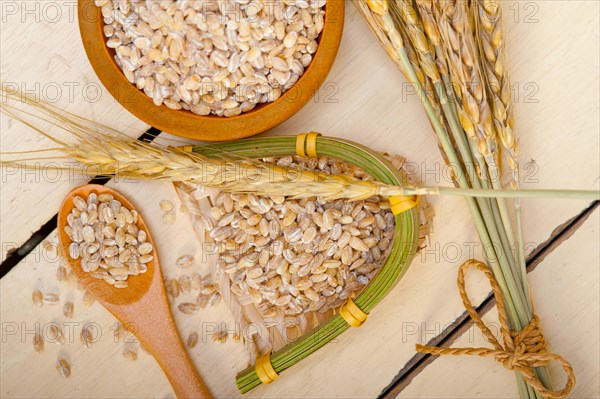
x: 186, y: 148
x: 264, y: 369
x: 300, y: 139
x: 401, y: 203
x: 311, y: 144
x: 352, y: 313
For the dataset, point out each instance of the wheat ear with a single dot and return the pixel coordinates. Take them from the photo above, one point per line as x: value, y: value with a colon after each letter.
x: 430, y: 27
x: 415, y: 27
x: 454, y: 23
x: 461, y: 55
x: 490, y: 35
x: 409, y: 18
x: 397, y: 45
x: 488, y: 22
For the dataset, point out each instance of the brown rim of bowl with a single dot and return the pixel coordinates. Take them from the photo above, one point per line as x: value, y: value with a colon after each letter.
x: 209, y: 128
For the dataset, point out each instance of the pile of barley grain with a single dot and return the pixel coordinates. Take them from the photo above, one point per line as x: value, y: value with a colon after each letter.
x: 213, y: 56
x: 291, y: 256
x: 202, y: 287
x: 106, y: 238
x: 191, y: 284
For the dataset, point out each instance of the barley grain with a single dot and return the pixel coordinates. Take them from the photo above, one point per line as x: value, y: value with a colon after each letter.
x: 63, y: 367
x: 166, y: 205
x: 208, y: 289
x: 55, y: 334
x: 172, y: 287
x: 188, y: 307
x: 214, y: 299
x: 202, y: 300
x: 37, y: 298
x: 358, y: 244
x: 38, y: 343
x: 86, y: 337
x: 88, y: 298
x: 169, y: 217
x: 51, y: 298
x: 68, y: 310
x: 192, y: 339
x: 121, y: 284
x: 185, y: 261
x: 130, y: 355
x: 185, y: 284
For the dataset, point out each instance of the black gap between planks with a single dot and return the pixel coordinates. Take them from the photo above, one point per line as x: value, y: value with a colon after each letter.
x: 450, y: 334
x: 16, y: 255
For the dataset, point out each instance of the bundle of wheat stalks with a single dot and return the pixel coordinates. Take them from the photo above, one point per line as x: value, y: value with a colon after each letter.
x: 453, y: 52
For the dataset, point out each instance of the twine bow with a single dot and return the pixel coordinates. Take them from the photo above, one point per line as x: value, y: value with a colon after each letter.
x: 522, y: 350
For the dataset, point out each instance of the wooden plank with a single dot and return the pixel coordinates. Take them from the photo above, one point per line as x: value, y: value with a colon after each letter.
x: 425, y: 300
x: 101, y: 371
x: 461, y: 325
x: 569, y: 317
x: 42, y: 55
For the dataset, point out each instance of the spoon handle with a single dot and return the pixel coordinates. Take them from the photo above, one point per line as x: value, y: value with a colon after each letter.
x: 152, y: 322
x: 173, y: 359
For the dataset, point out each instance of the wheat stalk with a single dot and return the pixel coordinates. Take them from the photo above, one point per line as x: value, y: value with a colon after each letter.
x: 488, y: 22
x: 461, y: 55
x: 422, y: 57
x: 485, y: 156
x: 409, y: 19
x: 448, y: 27
x: 98, y: 153
x: 128, y: 158
x: 487, y: 17
x: 410, y: 22
x: 380, y: 21
x: 490, y: 36
x: 425, y: 80
x: 433, y: 34
x: 454, y: 22
x: 424, y: 36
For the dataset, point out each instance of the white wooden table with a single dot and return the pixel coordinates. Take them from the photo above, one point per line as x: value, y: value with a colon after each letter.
x: 554, y: 62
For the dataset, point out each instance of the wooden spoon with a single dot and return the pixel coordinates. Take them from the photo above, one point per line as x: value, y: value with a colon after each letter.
x: 142, y: 306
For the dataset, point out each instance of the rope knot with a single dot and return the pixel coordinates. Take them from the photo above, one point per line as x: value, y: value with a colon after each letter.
x: 522, y: 350
x: 511, y: 361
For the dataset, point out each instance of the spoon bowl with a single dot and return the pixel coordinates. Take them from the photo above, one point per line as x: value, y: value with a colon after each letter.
x: 142, y: 306
x: 104, y: 292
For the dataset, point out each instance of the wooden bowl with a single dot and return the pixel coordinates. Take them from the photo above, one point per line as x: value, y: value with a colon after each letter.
x: 209, y: 128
